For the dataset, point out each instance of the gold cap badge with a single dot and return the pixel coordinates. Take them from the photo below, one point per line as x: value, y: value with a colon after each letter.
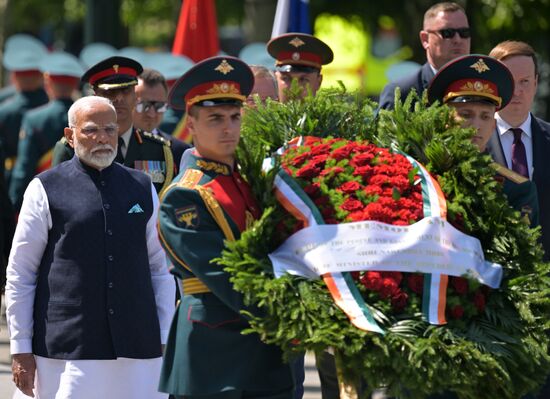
x: 115, y: 67
x: 296, y: 42
x: 480, y: 66
x: 224, y: 67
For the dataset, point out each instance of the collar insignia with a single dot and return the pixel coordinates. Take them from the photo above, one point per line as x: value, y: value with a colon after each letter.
x: 296, y: 42
x: 480, y: 66
x: 224, y: 67
x: 213, y: 166
x: 115, y: 67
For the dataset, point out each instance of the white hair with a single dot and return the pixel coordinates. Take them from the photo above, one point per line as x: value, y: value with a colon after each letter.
x: 87, y: 102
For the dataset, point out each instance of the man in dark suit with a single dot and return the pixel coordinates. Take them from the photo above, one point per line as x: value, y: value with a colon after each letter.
x: 114, y: 78
x: 521, y: 141
x: 445, y: 36
x: 152, y: 94
x: 524, y: 149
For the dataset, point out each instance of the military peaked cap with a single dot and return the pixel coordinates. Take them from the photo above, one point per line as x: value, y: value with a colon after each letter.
x: 299, y: 52
x: 214, y: 81
x: 113, y: 73
x: 473, y: 78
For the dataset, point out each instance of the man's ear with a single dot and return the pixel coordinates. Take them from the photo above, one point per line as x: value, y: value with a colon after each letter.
x: 69, y: 136
x: 424, y: 38
x: 190, y: 123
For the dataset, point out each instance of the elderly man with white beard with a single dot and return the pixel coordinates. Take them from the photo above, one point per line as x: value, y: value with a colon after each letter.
x: 89, y: 297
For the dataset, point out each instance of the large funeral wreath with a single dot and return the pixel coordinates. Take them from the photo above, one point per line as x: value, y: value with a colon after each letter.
x: 494, y: 344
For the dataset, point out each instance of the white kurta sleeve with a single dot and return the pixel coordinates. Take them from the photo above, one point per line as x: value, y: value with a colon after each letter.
x: 29, y: 242
x: 163, y: 283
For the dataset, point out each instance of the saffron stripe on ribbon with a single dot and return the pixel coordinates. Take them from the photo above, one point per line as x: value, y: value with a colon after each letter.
x: 348, y: 298
x: 340, y: 285
x: 434, y: 300
x: 290, y: 194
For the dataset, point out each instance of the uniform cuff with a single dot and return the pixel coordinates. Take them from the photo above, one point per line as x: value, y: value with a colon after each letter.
x: 20, y: 346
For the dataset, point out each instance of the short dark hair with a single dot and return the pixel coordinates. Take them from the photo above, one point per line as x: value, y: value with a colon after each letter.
x: 193, y: 111
x: 152, y: 77
x: 447, y: 6
x: 513, y: 48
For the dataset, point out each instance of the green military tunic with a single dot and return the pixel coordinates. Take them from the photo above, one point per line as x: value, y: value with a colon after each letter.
x: 147, y: 152
x: 7, y: 92
x: 520, y: 192
x: 207, y: 353
x: 11, y: 114
x: 41, y: 128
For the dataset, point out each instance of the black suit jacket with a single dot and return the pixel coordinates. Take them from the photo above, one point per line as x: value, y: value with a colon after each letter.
x: 418, y: 81
x: 541, y: 171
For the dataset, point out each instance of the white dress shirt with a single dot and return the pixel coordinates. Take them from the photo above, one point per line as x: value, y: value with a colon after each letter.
x: 507, y: 139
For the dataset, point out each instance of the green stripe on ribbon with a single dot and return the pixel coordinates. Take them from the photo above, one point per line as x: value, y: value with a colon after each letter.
x: 295, y: 187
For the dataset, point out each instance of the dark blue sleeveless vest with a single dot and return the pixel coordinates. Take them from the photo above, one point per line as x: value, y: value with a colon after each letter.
x: 94, y: 296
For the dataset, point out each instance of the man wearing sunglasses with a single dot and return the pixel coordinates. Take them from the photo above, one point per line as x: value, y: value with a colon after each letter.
x: 152, y: 94
x: 445, y: 36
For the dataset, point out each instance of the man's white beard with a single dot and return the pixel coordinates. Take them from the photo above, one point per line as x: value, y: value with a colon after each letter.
x: 91, y: 158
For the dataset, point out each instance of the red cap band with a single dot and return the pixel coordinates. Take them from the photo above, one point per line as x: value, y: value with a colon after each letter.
x: 63, y: 79
x: 472, y: 87
x: 29, y: 72
x: 216, y: 89
x: 299, y: 58
x: 110, y: 72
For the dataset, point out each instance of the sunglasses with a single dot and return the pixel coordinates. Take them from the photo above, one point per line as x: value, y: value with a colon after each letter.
x: 158, y: 106
x: 449, y: 33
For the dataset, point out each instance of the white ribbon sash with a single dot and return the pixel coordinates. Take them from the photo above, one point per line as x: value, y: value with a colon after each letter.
x: 430, y: 246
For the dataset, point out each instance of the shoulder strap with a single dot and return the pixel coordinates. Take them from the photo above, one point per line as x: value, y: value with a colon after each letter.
x: 509, y: 174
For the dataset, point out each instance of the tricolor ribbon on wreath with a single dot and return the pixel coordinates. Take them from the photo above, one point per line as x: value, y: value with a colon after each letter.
x: 431, y: 246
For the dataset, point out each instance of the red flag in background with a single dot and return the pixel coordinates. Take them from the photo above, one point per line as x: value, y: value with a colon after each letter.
x: 197, y: 31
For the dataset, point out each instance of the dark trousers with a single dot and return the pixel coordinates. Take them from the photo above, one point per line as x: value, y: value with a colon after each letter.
x: 234, y: 394
x: 299, y: 373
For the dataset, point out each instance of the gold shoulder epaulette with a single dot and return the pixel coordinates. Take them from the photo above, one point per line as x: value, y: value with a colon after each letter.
x: 190, y: 178
x: 156, y: 137
x: 509, y: 174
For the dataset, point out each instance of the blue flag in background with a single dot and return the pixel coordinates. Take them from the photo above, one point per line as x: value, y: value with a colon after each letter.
x: 291, y: 16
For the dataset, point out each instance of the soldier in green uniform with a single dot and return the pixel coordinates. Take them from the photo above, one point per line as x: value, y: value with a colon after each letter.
x: 7, y: 92
x: 477, y: 86
x: 299, y: 57
x: 42, y: 127
x: 15, y: 43
x: 207, y: 355
x: 114, y: 78
x: 7, y: 226
x: 23, y: 63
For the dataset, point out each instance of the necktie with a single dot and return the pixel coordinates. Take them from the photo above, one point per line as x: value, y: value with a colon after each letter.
x: 119, y: 157
x: 519, y: 157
